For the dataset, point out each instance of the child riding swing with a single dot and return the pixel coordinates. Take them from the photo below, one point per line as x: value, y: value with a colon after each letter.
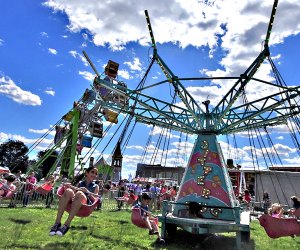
x: 141, y: 217
x: 74, y: 198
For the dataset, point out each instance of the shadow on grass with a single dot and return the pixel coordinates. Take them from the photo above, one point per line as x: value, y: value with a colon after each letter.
x: 118, y: 242
x: 18, y: 246
x: 19, y: 221
x: 79, y: 228
x: 60, y: 245
x: 185, y: 240
x: 49, y: 246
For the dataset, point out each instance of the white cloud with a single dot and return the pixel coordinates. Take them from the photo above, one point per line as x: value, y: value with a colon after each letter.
x: 201, y: 94
x: 135, y: 65
x: 1, y: 42
x: 124, y: 74
x: 50, y: 91
x: 236, y: 28
x: 42, y: 132
x: 185, y: 23
x: 75, y: 54
x: 14, y: 92
x: 5, y: 137
x: 38, y: 131
x: 87, y: 75
x: 52, y: 51
x: 294, y: 161
x: 182, y: 25
x: 44, y: 34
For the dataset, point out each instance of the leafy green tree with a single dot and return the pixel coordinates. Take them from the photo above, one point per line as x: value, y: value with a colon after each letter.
x: 13, y: 154
x: 47, y: 162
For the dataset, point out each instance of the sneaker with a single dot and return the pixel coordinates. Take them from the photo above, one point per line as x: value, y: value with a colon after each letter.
x: 160, y: 241
x: 54, y: 229
x: 152, y: 232
x: 62, y: 230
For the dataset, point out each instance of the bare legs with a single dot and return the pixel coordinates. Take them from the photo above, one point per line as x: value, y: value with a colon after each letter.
x: 153, y: 225
x: 69, y: 196
x: 148, y: 223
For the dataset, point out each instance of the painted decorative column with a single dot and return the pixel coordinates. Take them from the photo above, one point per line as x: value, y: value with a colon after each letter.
x: 206, y: 181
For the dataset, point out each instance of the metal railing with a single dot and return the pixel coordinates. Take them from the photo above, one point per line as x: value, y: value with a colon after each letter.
x: 33, y: 199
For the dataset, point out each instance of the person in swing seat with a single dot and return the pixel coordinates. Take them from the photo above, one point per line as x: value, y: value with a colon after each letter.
x: 296, y: 202
x: 266, y: 202
x: 276, y: 210
x: 295, y: 206
x: 79, y: 194
x: 151, y: 224
x: 194, y: 210
x: 7, y: 185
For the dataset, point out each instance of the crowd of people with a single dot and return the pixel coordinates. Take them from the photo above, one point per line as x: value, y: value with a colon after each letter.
x: 156, y: 191
x: 29, y: 188
x: 276, y: 210
x: 26, y: 188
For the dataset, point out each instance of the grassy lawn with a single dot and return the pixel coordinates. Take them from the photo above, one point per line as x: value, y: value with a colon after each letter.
x: 28, y: 228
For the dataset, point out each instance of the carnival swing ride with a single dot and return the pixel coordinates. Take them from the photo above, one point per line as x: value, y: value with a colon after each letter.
x: 206, y: 183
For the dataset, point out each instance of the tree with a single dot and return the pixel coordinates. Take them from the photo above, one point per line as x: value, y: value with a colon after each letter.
x: 48, y: 162
x: 13, y: 154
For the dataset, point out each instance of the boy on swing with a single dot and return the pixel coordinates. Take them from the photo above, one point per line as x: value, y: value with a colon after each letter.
x: 150, y: 222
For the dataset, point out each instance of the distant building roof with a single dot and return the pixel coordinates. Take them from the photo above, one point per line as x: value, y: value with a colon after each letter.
x: 286, y: 168
x: 101, y: 162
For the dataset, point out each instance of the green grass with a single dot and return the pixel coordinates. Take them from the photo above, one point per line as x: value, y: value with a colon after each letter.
x: 28, y: 228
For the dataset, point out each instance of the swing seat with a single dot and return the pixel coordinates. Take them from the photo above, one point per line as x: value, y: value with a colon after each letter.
x: 110, y: 116
x: 137, y: 219
x: 60, y: 132
x: 44, y: 189
x: 68, y: 117
x: 87, y: 141
x: 111, y: 69
x: 85, y: 209
x: 279, y: 227
x: 96, y: 129
x: 89, y: 96
x: 127, y: 199
x: 8, y: 195
x: 132, y: 200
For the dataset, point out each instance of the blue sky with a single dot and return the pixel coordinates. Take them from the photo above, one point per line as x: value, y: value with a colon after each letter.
x: 42, y: 69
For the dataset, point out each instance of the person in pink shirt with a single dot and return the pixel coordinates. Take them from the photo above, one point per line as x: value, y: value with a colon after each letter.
x: 276, y: 210
x: 247, y: 196
x: 29, y: 187
x: 7, y: 188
